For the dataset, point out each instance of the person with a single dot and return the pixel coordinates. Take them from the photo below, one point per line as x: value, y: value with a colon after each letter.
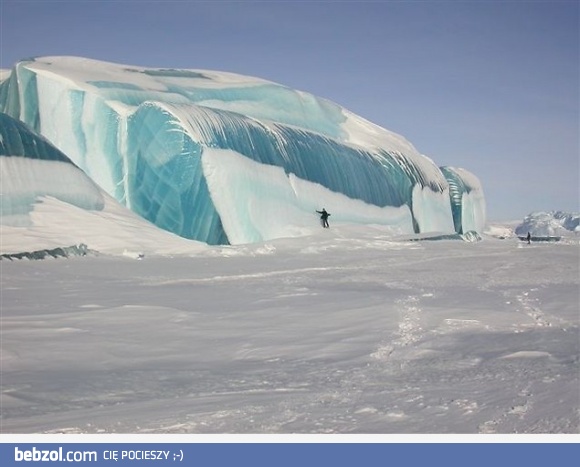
x: 324, y: 218
x: 529, y: 237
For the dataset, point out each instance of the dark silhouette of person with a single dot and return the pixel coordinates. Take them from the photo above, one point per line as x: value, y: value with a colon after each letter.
x: 324, y: 218
x: 529, y: 238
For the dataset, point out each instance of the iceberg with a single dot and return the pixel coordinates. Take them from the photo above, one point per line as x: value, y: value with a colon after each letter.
x: 542, y: 224
x: 223, y: 158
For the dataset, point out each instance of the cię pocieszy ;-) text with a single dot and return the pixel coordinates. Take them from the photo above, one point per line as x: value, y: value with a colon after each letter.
x: 151, y: 455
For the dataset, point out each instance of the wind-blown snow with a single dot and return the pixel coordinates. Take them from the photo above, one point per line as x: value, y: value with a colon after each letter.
x: 141, y: 134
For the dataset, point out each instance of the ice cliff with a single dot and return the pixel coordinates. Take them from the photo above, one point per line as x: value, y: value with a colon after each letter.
x: 224, y: 158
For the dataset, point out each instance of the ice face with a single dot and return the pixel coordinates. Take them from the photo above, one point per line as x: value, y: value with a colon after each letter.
x: 263, y: 201
x: 165, y: 161
x: 467, y: 200
x: 196, y: 152
x: 31, y: 167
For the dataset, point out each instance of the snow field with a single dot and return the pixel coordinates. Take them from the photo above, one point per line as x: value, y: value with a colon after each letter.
x: 343, y: 331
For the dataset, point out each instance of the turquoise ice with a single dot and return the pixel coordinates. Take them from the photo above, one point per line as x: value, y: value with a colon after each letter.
x: 189, y: 150
x: 31, y: 167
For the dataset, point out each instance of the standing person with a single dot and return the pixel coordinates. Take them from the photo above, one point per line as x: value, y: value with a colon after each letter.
x: 529, y: 237
x: 324, y: 218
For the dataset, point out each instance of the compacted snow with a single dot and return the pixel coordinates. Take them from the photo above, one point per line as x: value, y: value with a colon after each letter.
x: 343, y: 330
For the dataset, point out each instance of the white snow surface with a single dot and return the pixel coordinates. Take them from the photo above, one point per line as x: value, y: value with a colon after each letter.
x: 4, y: 74
x: 342, y: 330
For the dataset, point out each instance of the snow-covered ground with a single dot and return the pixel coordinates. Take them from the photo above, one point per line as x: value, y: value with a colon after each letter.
x: 343, y: 330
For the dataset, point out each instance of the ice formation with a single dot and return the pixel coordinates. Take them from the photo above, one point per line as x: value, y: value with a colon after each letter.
x: 31, y: 167
x: 224, y: 158
x: 50, y: 208
x: 467, y: 201
x: 549, y: 224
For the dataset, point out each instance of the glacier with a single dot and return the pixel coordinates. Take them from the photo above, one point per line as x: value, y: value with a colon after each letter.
x: 224, y: 158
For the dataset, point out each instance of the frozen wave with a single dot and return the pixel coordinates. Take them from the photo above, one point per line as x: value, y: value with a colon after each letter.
x: 141, y: 134
x: 47, y: 204
x: 31, y: 167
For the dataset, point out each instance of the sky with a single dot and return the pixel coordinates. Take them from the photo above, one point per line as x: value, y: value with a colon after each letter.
x: 489, y: 86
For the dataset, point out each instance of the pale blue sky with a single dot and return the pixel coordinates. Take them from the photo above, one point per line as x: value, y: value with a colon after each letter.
x: 490, y: 86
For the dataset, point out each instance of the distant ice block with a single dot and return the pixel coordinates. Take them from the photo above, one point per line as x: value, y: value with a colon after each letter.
x: 549, y: 224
